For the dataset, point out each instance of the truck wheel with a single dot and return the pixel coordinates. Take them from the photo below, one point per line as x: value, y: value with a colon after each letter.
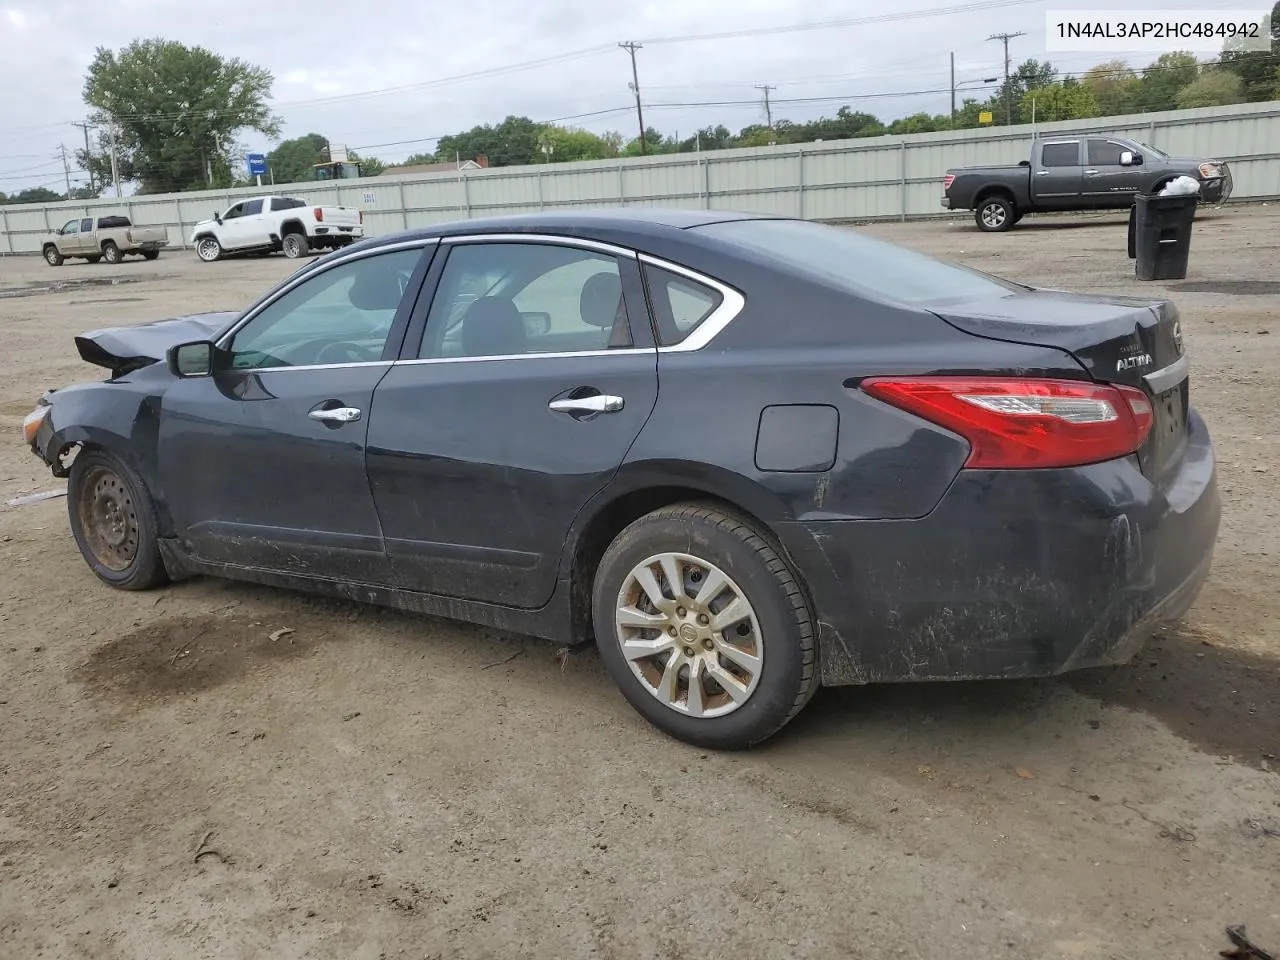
x: 702, y: 625
x: 208, y: 249
x: 295, y: 245
x: 111, y: 253
x: 52, y: 256
x: 150, y: 254
x: 994, y: 214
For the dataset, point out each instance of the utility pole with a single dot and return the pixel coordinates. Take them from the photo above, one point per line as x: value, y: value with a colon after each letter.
x: 768, y: 110
x: 953, y: 89
x: 115, y: 166
x: 1005, y: 38
x: 66, y: 168
x: 88, y: 152
x: 631, y: 47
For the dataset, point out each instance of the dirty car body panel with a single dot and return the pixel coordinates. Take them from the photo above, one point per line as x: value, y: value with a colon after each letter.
x: 475, y: 480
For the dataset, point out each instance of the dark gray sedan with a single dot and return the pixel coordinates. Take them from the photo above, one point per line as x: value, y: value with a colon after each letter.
x: 749, y: 456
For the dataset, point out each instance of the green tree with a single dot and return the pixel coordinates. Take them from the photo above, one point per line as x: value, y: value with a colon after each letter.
x: 33, y: 195
x: 1161, y: 82
x: 568, y: 144
x: 916, y: 123
x: 1213, y: 88
x: 418, y: 158
x: 718, y: 137
x: 654, y: 143
x: 176, y: 110
x: 369, y: 166
x: 1113, y: 85
x: 514, y: 141
x: 292, y: 160
x: 1060, y: 101
x: 1007, y: 100
x: 1257, y: 69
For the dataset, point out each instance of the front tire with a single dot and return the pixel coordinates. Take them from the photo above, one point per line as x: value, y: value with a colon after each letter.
x: 111, y: 253
x: 704, y: 628
x: 114, y: 522
x: 995, y: 215
x: 208, y: 249
x: 295, y: 245
x: 53, y: 257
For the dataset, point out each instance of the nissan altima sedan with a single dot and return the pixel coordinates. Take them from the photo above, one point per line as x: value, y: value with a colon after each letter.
x: 749, y: 456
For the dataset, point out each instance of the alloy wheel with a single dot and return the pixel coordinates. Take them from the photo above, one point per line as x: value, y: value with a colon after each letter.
x: 689, y: 634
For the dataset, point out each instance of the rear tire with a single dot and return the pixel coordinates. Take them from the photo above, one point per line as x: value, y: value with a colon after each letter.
x: 111, y: 253
x: 114, y: 522
x: 295, y: 245
x: 754, y: 630
x: 994, y: 214
x: 53, y: 257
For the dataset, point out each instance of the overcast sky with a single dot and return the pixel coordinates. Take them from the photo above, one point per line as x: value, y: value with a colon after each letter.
x: 324, y: 53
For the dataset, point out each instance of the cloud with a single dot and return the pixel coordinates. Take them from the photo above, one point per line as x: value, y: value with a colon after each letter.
x: 16, y: 18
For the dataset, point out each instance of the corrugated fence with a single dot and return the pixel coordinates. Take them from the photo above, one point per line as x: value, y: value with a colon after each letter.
x: 878, y: 178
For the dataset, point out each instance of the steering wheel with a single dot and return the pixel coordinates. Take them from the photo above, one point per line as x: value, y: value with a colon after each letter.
x: 343, y: 351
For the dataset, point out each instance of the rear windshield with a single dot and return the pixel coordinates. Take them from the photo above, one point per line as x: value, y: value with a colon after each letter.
x: 849, y: 259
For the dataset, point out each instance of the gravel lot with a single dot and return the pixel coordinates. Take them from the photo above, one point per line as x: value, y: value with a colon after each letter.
x: 175, y: 784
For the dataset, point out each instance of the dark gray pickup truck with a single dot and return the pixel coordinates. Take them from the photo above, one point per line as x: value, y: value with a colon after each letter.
x: 1074, y: 173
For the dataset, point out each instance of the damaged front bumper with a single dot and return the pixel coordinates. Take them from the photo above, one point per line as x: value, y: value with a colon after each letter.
x: 1016, y: 573
x: 38, y: 431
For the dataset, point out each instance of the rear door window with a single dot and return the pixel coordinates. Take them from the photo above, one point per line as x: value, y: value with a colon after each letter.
x: 1061, y: 154
x: 86, y: 225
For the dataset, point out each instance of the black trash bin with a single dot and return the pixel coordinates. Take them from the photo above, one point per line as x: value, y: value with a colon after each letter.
x: 1160, y: 235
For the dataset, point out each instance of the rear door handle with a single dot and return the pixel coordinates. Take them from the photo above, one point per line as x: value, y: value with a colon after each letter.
x: 599, y: 403
x: 1091, y: 172
x: 336, y: 415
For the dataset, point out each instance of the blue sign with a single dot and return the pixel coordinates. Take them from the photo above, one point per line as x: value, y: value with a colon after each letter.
x: 257, y: 164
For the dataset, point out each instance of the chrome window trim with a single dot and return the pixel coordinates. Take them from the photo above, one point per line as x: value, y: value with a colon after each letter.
x: 1166, y: 378
x: 731, y: 303
x: 345, y: 258
x: 563, y: 241
x: 619, y: 352
x: 314, y: 366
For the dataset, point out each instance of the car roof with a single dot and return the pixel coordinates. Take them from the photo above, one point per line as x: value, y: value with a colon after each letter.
x: 606, y: 224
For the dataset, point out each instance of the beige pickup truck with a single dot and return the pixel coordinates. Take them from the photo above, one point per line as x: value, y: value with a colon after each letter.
x: 103, y: 238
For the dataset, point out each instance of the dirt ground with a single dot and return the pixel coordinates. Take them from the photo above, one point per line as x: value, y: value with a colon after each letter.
x: 173, y: 783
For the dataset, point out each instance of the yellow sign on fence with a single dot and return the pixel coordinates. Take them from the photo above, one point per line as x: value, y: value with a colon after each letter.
x: 984, y: 116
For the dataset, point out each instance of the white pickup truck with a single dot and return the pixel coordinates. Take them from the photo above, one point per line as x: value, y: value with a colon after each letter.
x: 268, y: 224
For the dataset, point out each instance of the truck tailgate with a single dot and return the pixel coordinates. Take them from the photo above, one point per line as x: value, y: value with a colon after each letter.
x: 339, y: 217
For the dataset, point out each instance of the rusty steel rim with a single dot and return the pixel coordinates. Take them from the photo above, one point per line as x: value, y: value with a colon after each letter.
x: 108, y: 519
x: 689, y: 635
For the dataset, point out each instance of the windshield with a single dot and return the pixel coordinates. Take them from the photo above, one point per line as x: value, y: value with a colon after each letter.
x: 1147, y: 148
x: 847, y: 258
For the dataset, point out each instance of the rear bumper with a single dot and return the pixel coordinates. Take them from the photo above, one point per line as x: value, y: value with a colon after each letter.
x: 1013, y: 574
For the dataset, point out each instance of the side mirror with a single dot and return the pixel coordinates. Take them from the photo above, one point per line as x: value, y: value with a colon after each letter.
x: 1024, y: 163
x: 193, y: 359
x: 1130, y: 159
x: 217, y: 217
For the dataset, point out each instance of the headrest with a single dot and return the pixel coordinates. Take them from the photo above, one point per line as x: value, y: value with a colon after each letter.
x: 601, y: 299
x: 493, y: 327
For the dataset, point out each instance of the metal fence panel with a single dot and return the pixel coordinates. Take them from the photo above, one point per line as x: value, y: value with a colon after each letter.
x: 884, y: 177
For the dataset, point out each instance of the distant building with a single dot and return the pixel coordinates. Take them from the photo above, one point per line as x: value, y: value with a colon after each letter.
x: 449, y: 166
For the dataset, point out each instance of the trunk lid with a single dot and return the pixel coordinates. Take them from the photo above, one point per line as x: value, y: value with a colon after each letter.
x: 125, y: 349
x: 1123, y: 340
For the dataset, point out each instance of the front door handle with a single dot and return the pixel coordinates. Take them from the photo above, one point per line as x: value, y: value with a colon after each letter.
x: 599, y: 403
x: 336, y: 415
x: 1091, y: 172
x: 1042, y: 173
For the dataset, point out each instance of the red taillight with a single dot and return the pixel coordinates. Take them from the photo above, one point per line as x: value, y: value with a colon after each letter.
x: 948, y: 180
x: 1014, y: 423
x: 319, y: 214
